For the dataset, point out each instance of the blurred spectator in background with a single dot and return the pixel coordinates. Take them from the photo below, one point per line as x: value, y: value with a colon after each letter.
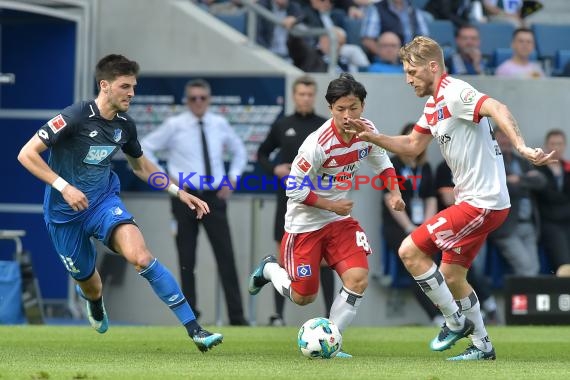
x: 274, y: 37
x: 468, y: 59
x: 517, y: 238
x: 520, y: 65
x: 456, y: 11
x: 398, y: 16
x: 388, y: 58
x: 351, y: 58
x: 418, y: 193
x: 352, y: 8
x: 504, y: 11
x: 195, y: 141
x: 322, y: 14
x: 554, y: 202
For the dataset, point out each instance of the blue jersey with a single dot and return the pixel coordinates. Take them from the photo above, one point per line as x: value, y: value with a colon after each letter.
x: 82, y: 145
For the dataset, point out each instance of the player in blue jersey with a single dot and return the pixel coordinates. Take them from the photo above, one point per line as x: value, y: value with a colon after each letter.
x: 81, y: 199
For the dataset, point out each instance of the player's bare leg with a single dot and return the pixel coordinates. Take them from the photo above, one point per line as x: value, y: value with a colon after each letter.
x: 128, y: 241
x: 481, y: 347
x: 348, y: 299
x: 91, y: 290
x: 432, y: 281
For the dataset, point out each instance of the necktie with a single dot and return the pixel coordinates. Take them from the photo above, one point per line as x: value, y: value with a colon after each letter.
x: 208, y: 169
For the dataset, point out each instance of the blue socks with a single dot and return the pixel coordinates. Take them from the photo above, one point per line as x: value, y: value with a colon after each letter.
x: 166, y: 288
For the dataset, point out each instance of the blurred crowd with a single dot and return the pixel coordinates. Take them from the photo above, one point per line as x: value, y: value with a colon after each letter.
x: 369, y: 34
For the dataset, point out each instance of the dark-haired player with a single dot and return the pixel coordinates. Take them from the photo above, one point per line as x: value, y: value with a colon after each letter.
x: 318, y: 224
x: 81, y: 198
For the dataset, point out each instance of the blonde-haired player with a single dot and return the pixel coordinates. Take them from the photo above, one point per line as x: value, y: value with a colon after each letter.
x: 456, y: 116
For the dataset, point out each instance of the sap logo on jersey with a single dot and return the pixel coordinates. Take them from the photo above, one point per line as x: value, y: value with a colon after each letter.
x: 97, y: 154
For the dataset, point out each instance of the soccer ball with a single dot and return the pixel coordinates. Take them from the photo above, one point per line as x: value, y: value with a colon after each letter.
x: 319, y: 338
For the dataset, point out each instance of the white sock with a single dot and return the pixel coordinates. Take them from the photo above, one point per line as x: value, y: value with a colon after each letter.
x: 471, y: 308
x: 344, y: 307
x: 279, y: 278
x: 433, y: 285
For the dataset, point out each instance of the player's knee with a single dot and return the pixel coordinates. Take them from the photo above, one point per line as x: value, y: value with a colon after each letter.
x: 304, y: 300
x: 140, y: 258
x: 356, y: 284
x: 407, y: 252
x: 91, y: 289
x: 454, y: 280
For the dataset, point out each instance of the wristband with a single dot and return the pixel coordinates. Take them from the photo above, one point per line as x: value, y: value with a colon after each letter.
x: 173, y: 190
x: 59, y: 184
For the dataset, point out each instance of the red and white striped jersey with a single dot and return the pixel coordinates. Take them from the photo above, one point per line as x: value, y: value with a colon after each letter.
x: 324, y: 166
x: 467, y: 144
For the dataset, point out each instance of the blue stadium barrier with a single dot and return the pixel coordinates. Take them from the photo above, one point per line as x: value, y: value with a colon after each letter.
x: 237, y: 21
x: 562, y: 58
x: 551, y: 38
x: 494, y: 35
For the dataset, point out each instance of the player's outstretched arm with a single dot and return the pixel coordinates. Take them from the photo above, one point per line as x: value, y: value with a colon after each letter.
x: 30, y: 157
x: 394, y: 197
x: 144, y: 168
x: 505, y: 120
x: 409, y: 145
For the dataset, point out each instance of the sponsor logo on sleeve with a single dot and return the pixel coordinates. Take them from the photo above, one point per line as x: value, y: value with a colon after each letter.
x: 362, y: 153
x: 43, y: 134
x: 304, y: 165
x: 304, y: 270
x: 57, y: 123
x: 468, y: 95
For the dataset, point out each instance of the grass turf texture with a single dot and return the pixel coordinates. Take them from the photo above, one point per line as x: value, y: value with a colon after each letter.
x: 64, y: 352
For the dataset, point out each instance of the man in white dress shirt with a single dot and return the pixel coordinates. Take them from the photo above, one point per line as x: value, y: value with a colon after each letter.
x: 194, y: 143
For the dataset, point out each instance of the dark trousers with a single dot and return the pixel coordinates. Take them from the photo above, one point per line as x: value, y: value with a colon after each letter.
x: 218, y: 231
x: 556, y: 241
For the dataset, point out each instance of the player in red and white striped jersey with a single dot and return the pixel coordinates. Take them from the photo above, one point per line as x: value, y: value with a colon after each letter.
x: 456, y: 116
x: 318, y: 223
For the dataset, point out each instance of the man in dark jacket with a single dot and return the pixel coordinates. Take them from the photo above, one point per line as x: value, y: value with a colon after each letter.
x: 517, y: 238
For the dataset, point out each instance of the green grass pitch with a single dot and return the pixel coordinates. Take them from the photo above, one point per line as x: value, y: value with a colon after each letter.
x: 78, y: 352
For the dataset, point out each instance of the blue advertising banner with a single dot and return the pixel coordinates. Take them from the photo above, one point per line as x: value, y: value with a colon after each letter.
x: 250, y: 104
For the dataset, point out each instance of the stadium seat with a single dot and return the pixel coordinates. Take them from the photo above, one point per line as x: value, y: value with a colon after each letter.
x: 551, y: 38
x: 420, y: 4
x: 495, y: 35
x: 352, y: 29
x: 562, y: 58
x: 237, y: 21
x: 442, y: 32
x: 500, y: 55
